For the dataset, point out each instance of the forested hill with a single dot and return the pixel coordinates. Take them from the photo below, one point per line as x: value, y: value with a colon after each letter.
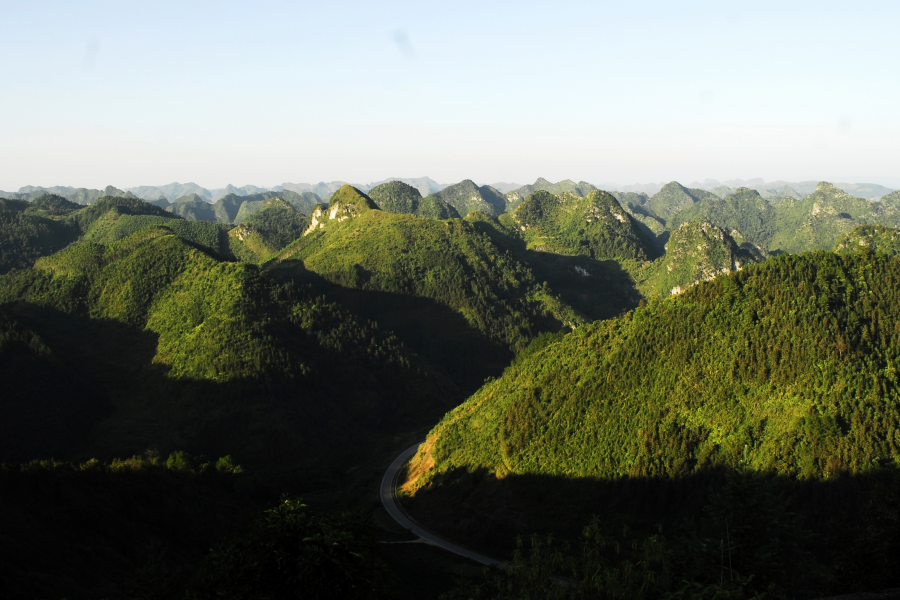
x: 445, y: 286
x: 781, y: 377
x: 814, y: 222
x: 30, y: 230
x: 696, y: 251
x: 787, y: 366
x: 594, y: 226
x: 872, y: 238
x: 398, y: 197
x: 169, y: 347
x: 567, y: 186
x: 466, y: 197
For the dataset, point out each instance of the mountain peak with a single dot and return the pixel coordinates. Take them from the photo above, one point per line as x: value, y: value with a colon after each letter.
x: 346, y: 203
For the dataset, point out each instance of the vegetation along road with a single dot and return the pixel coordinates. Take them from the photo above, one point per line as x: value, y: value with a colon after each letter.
x: 392, y: 506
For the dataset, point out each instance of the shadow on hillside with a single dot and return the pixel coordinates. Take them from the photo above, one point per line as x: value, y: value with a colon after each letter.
x: 599, y: 289
x: 437, y: 333
x: 848, y: 523
x: 101, y: 396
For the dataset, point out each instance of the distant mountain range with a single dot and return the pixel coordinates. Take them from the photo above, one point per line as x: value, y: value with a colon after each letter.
x: 427, y: 186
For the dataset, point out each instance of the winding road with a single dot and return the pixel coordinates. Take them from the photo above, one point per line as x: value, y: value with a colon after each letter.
x: 392, y: 506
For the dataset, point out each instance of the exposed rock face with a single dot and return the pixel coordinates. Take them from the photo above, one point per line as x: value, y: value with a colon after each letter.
x: 316, y: 220
x: 346, y: 203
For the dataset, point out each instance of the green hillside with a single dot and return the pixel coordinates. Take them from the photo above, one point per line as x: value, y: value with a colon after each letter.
x: 819, y: 220
x: 567, y: 186
x: 400, y: 198
x: 31, y: 230
x: 782, y: 373
x: 635, y: 204
x: 696, y: 251
x: 236, y: 209
x: 673, y: 198
x: 466, y: 197
x: 732, y: 372
x: 872, y: 238
x: 267, y: 231
x: 189, y: 352
x: 445, y: 287
x: 743, y: 213
x: 780, y: 222
x: 50, y: 223
x: 194, y: 208
x: 594, y: 226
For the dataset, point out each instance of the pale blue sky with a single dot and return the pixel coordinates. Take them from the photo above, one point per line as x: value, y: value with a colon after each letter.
x: 131, y: 93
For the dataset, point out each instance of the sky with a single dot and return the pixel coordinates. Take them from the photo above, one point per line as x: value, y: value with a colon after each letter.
x: 147, y: 93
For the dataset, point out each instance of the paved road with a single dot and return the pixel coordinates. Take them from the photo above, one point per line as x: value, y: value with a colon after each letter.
x: 392, y: 505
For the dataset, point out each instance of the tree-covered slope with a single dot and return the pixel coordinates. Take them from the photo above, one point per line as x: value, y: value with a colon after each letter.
x: 451, y: 262
x: 818, y: 221
x: 31, y: 230
x: 267, y: 231
x: 673, y: 198
x: 233, y: 208
x: 743, y: 213
x: 400, y: 198
x: 566, y: 186
x: 595, y: 226
x: 50, y: 223
x: 635, y: 204
x: 872, y: 238
x: 209, y: 356
x: 447, y: 288
x: 779, y: 379
x: 112, y: 226
x: 466, y: 197
x: 696, y: 251
x: 785, y: 367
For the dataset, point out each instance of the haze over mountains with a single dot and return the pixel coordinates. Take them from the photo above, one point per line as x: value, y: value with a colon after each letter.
x: 426, y: 187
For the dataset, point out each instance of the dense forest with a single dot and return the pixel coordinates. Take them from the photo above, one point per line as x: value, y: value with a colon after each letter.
x: 627, y: 375
x: 779, y: 377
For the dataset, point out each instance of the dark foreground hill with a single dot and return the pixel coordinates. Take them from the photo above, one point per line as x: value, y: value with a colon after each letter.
x: 167, y: 347
x: 782, y: 374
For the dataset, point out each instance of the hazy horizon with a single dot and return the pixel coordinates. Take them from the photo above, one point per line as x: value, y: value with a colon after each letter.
x: 219, y: 93
x: 612, y: 185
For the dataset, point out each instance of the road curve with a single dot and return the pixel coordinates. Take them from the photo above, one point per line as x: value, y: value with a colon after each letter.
x: 392, y: 506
